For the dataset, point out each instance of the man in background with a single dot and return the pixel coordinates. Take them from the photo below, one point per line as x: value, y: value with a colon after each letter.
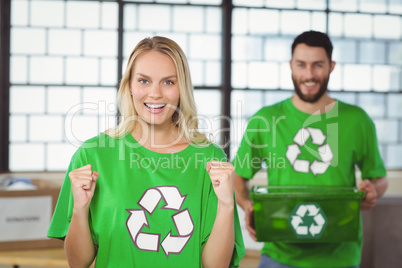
x: 351, y: 141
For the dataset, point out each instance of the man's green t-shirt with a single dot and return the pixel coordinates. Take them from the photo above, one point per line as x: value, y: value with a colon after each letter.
x: 311, y: 149
x: 149, y: 209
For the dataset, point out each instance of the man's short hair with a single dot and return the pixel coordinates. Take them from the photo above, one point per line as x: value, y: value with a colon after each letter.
x: 314, y: 39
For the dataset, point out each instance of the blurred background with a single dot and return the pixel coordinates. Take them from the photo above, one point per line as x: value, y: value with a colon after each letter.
x: 62, y: 60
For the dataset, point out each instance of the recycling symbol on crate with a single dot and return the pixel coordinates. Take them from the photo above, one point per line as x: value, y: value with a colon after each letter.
x: 324, y: 151
x: 171, y: 244
x: 308, y: 220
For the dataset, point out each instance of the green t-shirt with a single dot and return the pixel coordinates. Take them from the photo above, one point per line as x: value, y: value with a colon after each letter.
x: 149, y: 209
x: 303, y: 149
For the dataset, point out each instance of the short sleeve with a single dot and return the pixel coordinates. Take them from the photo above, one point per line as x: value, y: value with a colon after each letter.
x: 253, y: 147
x: 64, y: 208
x: 369, y: 159
x: 210, y: 215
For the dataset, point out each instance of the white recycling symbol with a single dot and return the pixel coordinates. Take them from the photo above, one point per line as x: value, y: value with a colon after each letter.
x: 171, y: 244
x: 308, y: 220
x: 324, y: 151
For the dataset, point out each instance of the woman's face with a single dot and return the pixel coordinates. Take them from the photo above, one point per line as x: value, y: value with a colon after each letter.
x: 155, y: 89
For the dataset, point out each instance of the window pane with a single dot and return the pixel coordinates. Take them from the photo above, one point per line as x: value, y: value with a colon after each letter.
x: 394, y: 105
x: 372, y: 52
x: 385, y: 78
x: 246, y: 103
x: 40, y: 15
x: 59, y: 156
x: 355, y: 77
x: 64, y: 42
x: 22, y: 98
x: 311, y: 4
x: 110, y: 13
x: 27, y: 41
x: 395, y: 53
x: 45, y: 128
x: 336, y: 78
x: 18, y: 128
x: 213, y: 74
x: 108, y: 69
x: 239, y: 75
x: 387, y: 130
x: 288, y: 25
x: 100, y: 43
x: 280, y: 3
x: 61, y: 99
x: 209, y: 2
x: 387, y: 27
x: 27, y: 156
x: 254, y: 3
x: 394, y: 153
x: 319, y: 21
x: 213, y: 20
x: 278, y: 49
x: 258, y: 72
x: 358, y: 25
x: 102, y: 99
x: 83, y: 14
x: 343, y: 5
x: 344, y: 51
x: 375, y: 6
x: 154, y: 17
x: 75, y: 75
x: 240, y: 17
x: 46, y: 70
x: 335, y: 24
x: 18, y: 69
x: 247, y: 48
x: 19, y: 13
x: 263, y: 21
x: 373, y: 104
x: 207, y: 47
x: 395, y: 6
x: 188, y: 19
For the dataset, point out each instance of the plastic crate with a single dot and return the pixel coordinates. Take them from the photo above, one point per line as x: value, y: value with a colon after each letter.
x: 310, y: 214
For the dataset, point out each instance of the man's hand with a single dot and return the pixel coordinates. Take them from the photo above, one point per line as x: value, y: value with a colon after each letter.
x: 371, y: 196
x: 249, y: 219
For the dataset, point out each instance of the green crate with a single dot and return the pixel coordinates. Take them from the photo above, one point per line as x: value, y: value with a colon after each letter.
x: 310, y: 214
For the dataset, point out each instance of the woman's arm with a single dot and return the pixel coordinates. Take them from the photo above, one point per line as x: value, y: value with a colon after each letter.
x: 218, y: 250
x: 78, y: 245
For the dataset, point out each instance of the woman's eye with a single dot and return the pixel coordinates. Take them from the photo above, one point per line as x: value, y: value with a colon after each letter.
x: 168, y: 82
x: 143, y: 81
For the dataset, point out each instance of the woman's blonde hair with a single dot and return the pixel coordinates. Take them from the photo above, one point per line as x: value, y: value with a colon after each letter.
x: 185, y: 116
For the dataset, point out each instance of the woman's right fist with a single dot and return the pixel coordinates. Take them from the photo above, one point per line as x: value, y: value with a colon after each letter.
x: 83, y: 181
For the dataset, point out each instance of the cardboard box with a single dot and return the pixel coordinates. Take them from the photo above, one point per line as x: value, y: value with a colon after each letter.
x: 311, y: 214
x: 25, y: 216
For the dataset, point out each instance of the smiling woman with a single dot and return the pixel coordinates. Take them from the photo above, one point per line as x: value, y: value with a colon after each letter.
x: 154, y: 169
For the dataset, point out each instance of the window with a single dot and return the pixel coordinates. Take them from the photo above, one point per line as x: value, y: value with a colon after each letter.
x: 67, y: 56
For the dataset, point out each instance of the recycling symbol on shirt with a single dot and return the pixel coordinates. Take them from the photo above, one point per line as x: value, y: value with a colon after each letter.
x: 171, y: 244
x: 324, y: 151
x: 308, y: 220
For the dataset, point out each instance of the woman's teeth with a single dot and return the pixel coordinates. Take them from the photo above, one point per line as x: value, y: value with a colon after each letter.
x: 155, y: 106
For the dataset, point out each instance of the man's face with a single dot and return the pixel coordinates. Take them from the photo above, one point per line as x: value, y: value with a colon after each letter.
x: 310, y: 72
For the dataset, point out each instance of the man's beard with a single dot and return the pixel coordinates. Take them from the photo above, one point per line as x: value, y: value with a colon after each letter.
x: 311, y: 98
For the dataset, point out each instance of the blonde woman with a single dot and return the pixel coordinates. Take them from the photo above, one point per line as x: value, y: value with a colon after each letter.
x: 154, y: 192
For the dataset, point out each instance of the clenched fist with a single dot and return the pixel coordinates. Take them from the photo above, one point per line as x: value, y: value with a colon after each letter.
x: 222, y: 177
x: 83, y: 182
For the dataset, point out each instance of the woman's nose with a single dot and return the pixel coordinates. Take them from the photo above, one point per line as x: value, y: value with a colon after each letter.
x: 155, y: 91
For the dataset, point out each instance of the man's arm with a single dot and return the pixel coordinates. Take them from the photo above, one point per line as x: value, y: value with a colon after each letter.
x: 374, y: 189
x: 243, y: 200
